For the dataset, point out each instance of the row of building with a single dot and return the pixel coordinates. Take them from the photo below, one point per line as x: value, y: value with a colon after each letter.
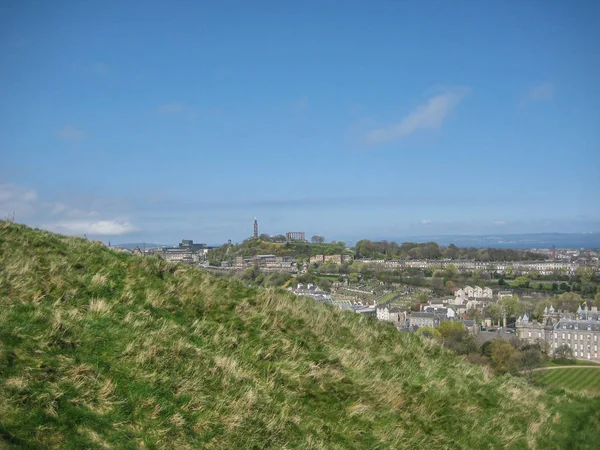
x: 516, y: 267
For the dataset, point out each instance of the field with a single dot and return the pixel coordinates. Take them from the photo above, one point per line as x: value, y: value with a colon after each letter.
x: 580, y: 378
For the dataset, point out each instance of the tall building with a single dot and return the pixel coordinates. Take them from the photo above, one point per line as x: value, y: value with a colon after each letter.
x: 255, y: 228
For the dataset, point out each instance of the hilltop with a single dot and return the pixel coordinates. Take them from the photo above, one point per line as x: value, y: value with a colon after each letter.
x: 253, y: 247
x: 101, y: 349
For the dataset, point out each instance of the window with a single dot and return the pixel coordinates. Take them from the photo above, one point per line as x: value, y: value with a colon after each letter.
x: 530, y: 334
x: 575, y: 346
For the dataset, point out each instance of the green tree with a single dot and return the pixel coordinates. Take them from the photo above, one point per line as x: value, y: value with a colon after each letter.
x: 564, y: 353
x: 429, y: 332
x: 521, y: 282
x: 450, y: 286
x: 496, y: 312
x: 451, y: 272
x: 569, y: 301
x: 456, y: 337
x: 531, y: 358
x: 437, y: 283
x: 486, y: 349
x: 511, y: 306
x: 509, y: 272
x: 505, y: 358
x: 538, y: 311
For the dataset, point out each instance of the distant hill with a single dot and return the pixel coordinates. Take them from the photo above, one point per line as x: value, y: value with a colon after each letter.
x: 103, y: 349
x: 134, y: 245
x: 253, y: 247
x: 516, y: 241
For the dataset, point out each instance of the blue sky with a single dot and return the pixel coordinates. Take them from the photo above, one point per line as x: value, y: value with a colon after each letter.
x: 159, y: 121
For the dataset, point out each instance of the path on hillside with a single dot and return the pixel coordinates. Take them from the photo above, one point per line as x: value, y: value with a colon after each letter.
x: 560, y: 367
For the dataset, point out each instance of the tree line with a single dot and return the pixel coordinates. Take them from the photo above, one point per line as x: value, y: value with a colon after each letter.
x: 432, y: 250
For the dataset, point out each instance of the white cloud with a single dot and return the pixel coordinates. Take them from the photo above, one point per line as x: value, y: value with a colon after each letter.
x: 100, y: 227
x: 428, y: 116
x: 541, y: 92
x: 425, y: 222
x: 70, y: 133
x: 499, y: 222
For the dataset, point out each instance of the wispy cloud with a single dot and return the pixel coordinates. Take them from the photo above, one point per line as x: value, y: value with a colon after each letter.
x: 70, y: 133
x: 544, y: 91
x: 100, y: 68
x: 187, y: 111
x: 100, y: 227
x: 300, y: 105
x: 428, y: 116
x: 171, y: 108
x: 425, y: 222
x: 538, y: 93
x: 16, y: 200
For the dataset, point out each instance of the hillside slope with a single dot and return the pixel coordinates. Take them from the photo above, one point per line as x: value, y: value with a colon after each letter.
x: 100, y: 349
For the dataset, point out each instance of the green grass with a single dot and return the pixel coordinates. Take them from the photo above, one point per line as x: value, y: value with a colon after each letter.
x: 579, y: 379
x: 576, y: 362
x: 100, y: 349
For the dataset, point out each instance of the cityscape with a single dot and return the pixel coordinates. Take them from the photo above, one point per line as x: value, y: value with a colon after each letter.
x: 299, y: 225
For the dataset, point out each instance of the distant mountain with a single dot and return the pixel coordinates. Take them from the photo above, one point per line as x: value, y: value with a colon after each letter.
x: 147, y: 245
x: 517, y: 241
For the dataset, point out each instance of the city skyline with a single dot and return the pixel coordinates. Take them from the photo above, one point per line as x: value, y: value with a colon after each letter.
x: 372, y: 121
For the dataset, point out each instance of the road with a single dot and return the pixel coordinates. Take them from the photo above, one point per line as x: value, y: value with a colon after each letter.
x: 561, y: 367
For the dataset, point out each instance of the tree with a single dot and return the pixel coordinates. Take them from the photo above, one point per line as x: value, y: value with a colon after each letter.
x: 496, y: 312
x: 486, y: 348
x: 511, y: 305
x: 505, y: 358
x: 532, y: 358
x: 451, y: 272
x: 509, y: 272
x: 317, y: 239
x: 564, y: 353
x: 456, y: 337
x: 450, y: 286
x: 521, y: 282
x: 325, y: 285
x: 569, y: 301
x: 538, y: 312
x: 429, y: 332
x: 437, y: 284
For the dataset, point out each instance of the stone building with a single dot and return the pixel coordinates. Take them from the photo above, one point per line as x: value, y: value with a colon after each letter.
x: 579, y: 332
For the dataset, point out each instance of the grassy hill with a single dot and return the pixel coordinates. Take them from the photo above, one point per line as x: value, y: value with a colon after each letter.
x: 100, y: 349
